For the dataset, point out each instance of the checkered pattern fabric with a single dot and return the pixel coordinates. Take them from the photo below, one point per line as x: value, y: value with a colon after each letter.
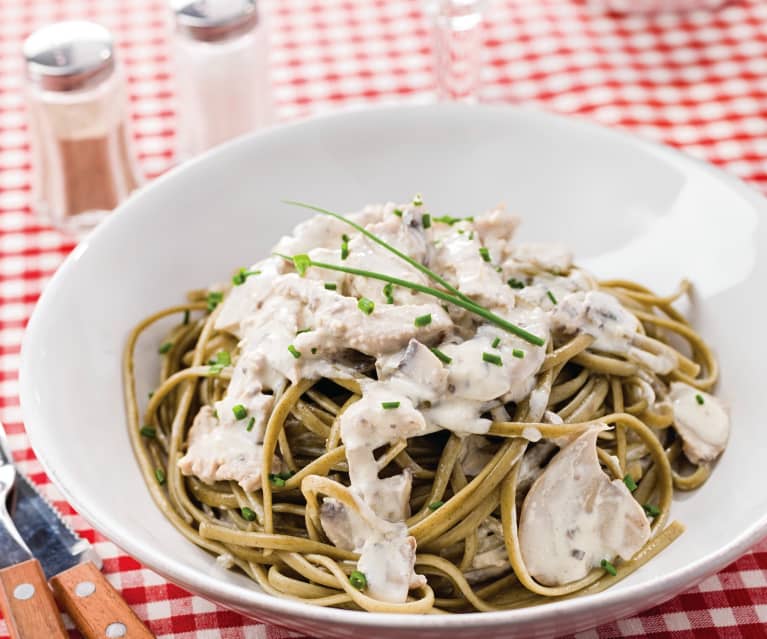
x: 696, y: 81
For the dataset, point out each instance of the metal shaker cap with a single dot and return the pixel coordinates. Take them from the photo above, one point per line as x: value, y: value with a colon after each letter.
x: 70, y: 55
x: 214, y: 20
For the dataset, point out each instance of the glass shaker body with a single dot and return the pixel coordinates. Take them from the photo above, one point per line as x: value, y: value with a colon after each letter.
x: 81, y: 150
x: 222, y: 80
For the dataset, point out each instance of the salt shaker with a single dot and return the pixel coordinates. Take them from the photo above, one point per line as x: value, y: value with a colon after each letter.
x: 82, y: 157
x: 221, y: 68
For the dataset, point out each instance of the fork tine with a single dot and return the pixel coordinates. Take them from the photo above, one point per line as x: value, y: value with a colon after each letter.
x: 5, y: 450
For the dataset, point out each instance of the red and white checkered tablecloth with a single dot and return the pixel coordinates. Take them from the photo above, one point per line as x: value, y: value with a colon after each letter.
x: 696, y: 81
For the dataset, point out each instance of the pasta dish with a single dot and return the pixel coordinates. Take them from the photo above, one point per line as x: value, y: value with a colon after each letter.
x: 404, y: 411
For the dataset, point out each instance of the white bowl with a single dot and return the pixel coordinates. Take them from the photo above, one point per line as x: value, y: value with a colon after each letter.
x: 628, y: 207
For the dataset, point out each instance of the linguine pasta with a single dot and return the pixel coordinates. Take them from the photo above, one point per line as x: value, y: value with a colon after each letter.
x: 377, y: 447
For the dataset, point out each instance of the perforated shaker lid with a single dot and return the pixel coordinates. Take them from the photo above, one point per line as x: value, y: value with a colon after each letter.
x: 214, y: 20
x: 70, y: 55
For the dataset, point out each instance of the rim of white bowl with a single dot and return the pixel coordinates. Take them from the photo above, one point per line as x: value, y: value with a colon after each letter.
x: 199, y: 582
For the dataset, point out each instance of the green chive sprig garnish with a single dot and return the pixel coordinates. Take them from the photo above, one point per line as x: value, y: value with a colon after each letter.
x: 513, y: 282
x: 247, y: 514
x: 492, y: 358
x: 496, y: 342
x: 344, y: 249
x: 461, y: 301
x: 699, y: 399
x: 294, y: 351
x: 150, y: 432
x: 251, y: 422
x: 358, y: 580
x: 165, y: 347
x: 389, y: 405
x: 484, y: 253
x: 159, y: 475
x: 276, y: 480
x: 366, y: 305
x: 518, y: 353
x: 371, y: 236
x: 550, y: 295
x: 214, y: 299
x: 423, y: 320
x: 630, y: 483
x: 417, y: 200
x: 186, y: 317
x: 397, y: 212
x: 304, y: 330
x: 436, y: 504
x: 442, y: 357
x: 240, y: 412
x: 426, y: 221
x: 243, y: 274
x: 608, y: 567
x: 331, y: 286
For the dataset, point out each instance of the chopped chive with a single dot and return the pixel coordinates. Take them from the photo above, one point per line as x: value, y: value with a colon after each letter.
x: 331, y: 286
x: 518, y: 353
x: 223, y: 358
x: 276, y: 480
x: 436, y: 504
x: 485, y: 253
x: 445, y: 359
x: 366, y: 305
x: 243, y: 274
x: 314, y: 350
x: 630, y: 483
x: 550, y: 295
x: 461, y: 231
x: 286, y: 475
x: 304, y: 330
x: 388, y: 292
x: 215, y: 369
x: 492, y: 358
x: 468, y: 218
x: 417, y: 200
x: 165, y: 347
x: 426, y: 221
x: 471, y: 235
x: 148, y: 431
x: 423, y: 320
x: 397, y: 212
x: 651, y: 510
x: 215, y: 413
x: 358, y: 580
x: 247, y: 514
x: 240, y: 412
x: 498, y: 269
x: 515, y: 283
x: 699, y: 399
x: 186, y: 317
x: 251, y: 422
x: 450, y: 220
x: 294, y: 351
x: 344, y: 250
x: 214, y: 299
x: 608, y: 567
x: 302, y: 262
x: 345, y: 237
x: 159, y: 475
x: 150, y: 394
x: 496, y: 341
x: 389, y: 405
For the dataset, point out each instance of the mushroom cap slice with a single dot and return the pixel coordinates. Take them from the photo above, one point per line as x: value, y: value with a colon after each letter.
x: 574, y: 516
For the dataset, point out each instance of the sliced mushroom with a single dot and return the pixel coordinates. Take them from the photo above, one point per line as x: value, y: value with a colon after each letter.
x: 702, y: 422
x: 574, y: 516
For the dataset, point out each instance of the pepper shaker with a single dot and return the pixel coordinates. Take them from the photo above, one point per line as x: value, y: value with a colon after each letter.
x: 220, y: 50
x: 76, y: 99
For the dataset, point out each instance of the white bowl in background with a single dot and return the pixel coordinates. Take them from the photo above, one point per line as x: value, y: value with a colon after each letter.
x: 629, y: 209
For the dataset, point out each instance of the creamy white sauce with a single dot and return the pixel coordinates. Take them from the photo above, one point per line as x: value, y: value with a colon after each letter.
x: 574, y: 516
x: 701, y: 420
x: 572, y: 506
